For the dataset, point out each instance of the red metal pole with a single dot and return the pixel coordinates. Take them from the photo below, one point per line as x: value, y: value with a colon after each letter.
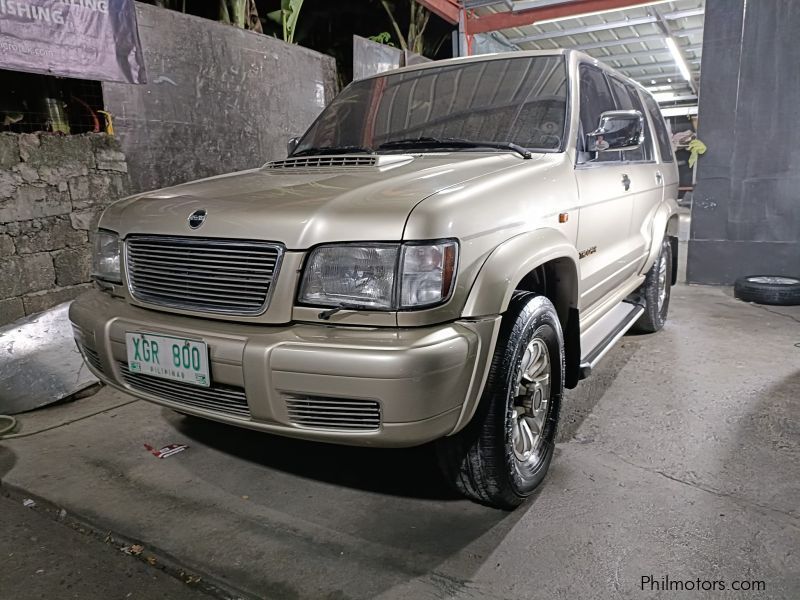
x: 506, y: 20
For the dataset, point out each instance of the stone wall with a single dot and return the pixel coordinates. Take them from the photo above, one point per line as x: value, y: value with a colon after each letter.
x: 52, y: 191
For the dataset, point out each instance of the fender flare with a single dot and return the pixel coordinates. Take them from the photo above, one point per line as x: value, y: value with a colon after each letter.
x: 491, y: 292
x: 665, y: 222
x: 510, y: 262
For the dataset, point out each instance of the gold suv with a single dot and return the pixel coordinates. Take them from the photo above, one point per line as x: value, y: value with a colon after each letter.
x: 446, y: 249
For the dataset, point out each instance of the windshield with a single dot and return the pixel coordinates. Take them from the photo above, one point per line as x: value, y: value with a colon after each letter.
x: 517, y: 100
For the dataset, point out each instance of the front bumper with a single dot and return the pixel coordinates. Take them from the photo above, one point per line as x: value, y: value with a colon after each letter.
x: 414, y: 385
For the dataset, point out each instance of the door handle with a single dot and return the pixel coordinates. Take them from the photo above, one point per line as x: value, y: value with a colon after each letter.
x: 659, y: 177
x: 626, y: 181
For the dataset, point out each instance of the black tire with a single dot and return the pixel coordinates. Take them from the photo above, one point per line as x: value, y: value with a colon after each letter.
x: 658, y: 280
x: 768, y: 289
x: 481, y: 461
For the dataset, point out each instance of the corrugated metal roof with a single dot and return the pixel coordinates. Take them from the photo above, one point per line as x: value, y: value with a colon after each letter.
x: 632, y: 40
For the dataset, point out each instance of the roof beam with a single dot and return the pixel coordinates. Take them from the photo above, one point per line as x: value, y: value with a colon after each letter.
x: 575, y: 8
x: 480, y: 3
x: 500, y: 37
x: 658, y: 37
x: 621, y: 42
x: 658, y: 77
x: 536, y: 37
x: 567, y: 8
x: 644, y: 53
x: 655, y: 65
x: 446, y: 9
x: 660, y: 97
x: 666, y: 87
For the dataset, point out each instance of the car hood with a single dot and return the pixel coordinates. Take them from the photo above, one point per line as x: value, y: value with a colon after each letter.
x: 301, y: 204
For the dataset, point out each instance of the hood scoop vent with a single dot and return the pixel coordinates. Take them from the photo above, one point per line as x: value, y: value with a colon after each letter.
x: 338, y: 162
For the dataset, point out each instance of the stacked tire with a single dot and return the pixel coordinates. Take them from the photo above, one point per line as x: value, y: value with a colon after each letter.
x: 776, y: 290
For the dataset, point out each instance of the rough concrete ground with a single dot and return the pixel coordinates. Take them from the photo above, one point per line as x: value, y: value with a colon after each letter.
x: 679, y: 458
x: 40, y: 558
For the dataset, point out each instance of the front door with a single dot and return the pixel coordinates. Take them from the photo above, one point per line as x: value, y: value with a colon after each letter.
x: 606, y: 246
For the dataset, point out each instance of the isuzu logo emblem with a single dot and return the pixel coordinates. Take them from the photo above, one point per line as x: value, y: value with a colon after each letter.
x: 197, y: 218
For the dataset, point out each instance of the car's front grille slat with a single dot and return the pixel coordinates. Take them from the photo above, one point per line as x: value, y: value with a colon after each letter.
x: 91, y: 357
x: 202, y: 274
x: 324, y: 412
x: 189, y: 253
x: 197, y: 266
x: 327, y: 413
x: 153, y: 273
x: 226, y: 399
x: 143, y: 281
x: 229, y: 248
x: 219, y: 282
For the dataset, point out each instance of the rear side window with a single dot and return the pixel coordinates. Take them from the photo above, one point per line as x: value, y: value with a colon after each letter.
x: 596, y: 98
x: 663, y: 136
x: 628, y: 99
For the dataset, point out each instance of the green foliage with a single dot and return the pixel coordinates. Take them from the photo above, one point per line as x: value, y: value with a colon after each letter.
x: 384, y: 37
x: 287, y: 17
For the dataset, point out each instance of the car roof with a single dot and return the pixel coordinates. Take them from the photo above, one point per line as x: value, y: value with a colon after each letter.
x: 569, y: 53
x: 475, y: 58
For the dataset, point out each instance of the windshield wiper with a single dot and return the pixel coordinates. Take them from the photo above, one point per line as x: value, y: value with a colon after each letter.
x: 431, y: 142
x: 332, y: 150
x: 325, y: 315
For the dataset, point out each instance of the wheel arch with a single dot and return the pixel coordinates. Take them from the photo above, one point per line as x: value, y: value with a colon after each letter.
x: 666, y: 222
x: 516, y: 262
x: 542, y: 261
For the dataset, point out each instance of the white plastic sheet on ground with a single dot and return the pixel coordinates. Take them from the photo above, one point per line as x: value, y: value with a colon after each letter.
x: 39, y: 362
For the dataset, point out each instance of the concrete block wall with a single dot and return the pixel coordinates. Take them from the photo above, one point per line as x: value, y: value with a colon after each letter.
x: 52, y: 191
x: 218, y: 99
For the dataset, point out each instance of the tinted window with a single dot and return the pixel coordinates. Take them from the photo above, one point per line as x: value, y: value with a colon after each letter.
x: 595, y: 99
x: 628, y: 99
x: 521, y: 100
x: 663, y: 136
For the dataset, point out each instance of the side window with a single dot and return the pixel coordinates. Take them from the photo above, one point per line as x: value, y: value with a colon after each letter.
x: 663, y: 135
x: 628, y: 99
x: 595, y: 99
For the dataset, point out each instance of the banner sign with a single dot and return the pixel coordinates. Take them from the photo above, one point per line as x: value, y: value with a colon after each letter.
x: 88, y: 39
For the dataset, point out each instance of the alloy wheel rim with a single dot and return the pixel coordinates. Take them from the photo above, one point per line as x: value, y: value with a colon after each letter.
x: 662, y: 282
x: 531, y: 402
x: 774, y: 280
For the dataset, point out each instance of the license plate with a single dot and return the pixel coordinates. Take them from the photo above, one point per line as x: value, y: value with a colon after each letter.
x: 168, y: 357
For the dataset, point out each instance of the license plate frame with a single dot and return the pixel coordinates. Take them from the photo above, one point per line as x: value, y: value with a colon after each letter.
x: 168, y: 357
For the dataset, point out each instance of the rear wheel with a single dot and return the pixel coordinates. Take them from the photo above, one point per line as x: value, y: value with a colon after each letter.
x: 656, y: 290
x: 503, y: 454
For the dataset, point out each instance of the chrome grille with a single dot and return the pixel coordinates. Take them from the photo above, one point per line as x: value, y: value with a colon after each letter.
x: 91, y: 357
x: 226, y: 399
x: 323, y: 161
x: 323, y: 412
x: 202, y: 274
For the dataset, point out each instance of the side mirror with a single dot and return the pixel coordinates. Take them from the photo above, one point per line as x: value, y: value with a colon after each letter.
x: 291, y: 145
x: 619, y: 130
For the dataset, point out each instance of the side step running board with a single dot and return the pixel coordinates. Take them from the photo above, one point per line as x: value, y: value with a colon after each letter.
x: 602, y: 336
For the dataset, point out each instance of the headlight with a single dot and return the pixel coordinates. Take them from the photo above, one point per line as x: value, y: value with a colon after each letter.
x: 106, y: 256
x: 380, y: 276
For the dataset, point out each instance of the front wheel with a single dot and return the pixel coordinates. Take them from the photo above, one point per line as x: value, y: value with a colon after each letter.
x: 503, y: 454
